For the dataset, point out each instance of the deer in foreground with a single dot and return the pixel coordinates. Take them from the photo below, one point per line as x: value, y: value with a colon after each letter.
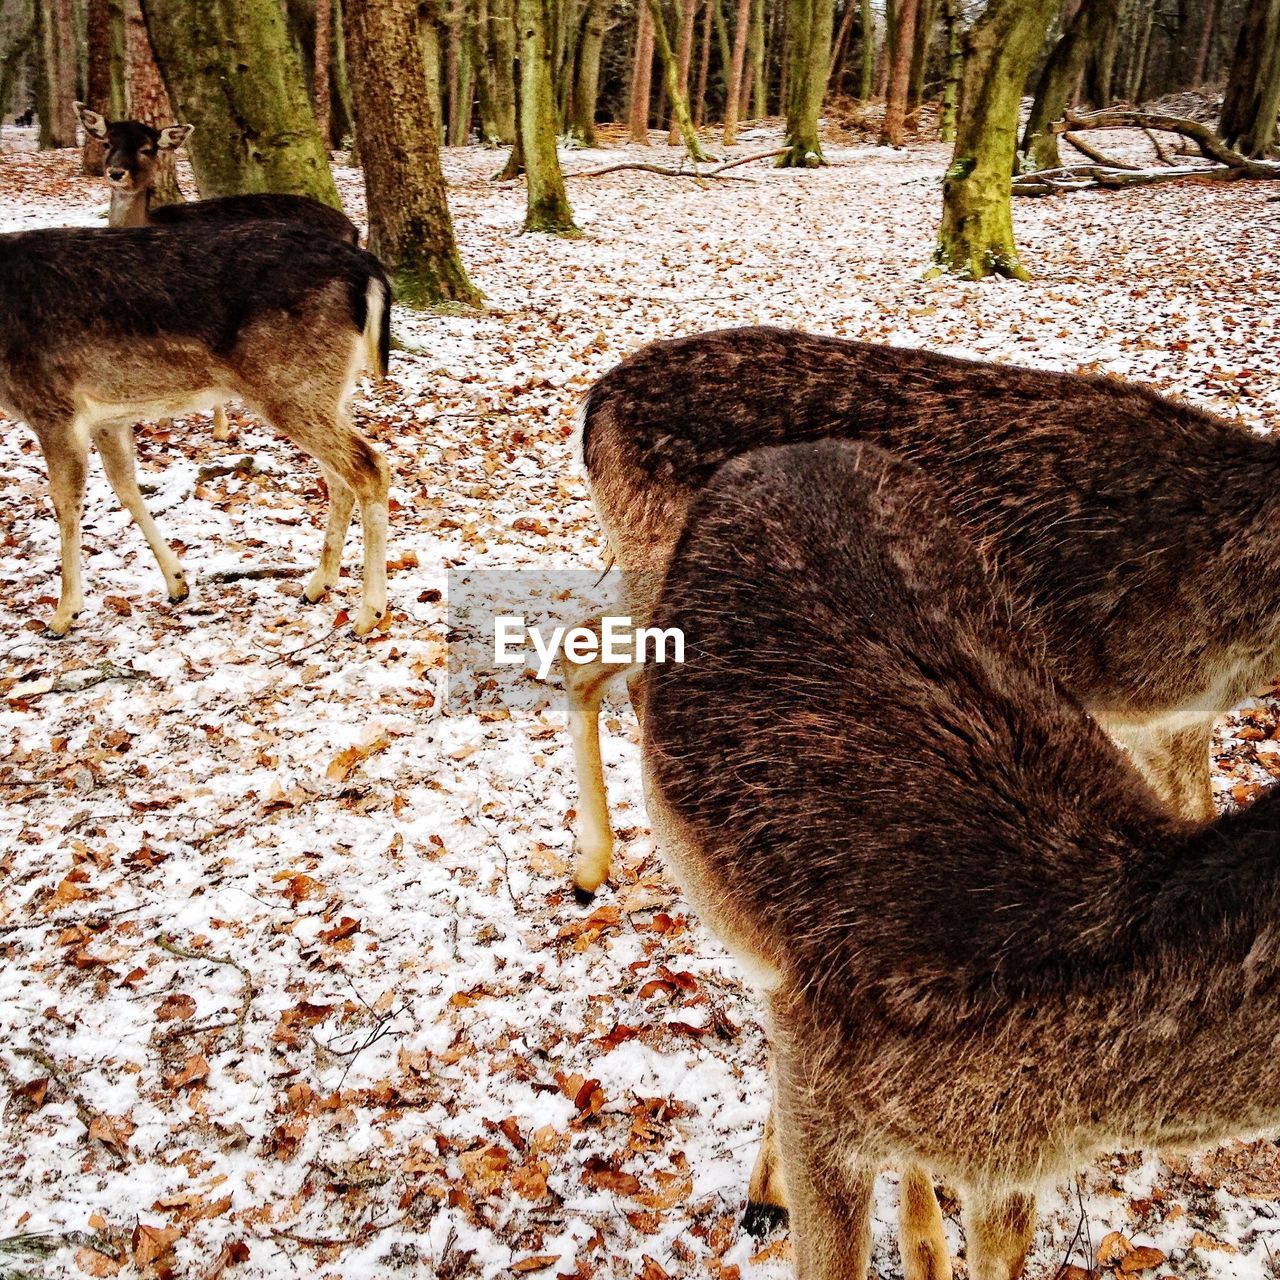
x: 988, y: 949
x: 99, y: 328
x: 130, y: 153
x: 1140, y: 530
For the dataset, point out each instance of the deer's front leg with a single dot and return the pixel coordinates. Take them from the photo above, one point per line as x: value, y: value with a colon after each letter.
x: 65, y: 459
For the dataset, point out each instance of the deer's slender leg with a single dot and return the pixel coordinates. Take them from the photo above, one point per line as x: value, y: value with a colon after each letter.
x: 830, y: 1198
x: 766, y: 1196
x: 115, y: 447
x: 921, y: 1238
x: 221, y: 427
x: 585, y: 684
x: 341, y: 503
x: 1176, y: 764
x: 998, y: 1229
x: 65, y: 458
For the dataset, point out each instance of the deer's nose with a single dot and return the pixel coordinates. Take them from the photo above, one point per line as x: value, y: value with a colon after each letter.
x: 116, y: 174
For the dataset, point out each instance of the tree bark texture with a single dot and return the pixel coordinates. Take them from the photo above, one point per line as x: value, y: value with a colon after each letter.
x: 900, y: 53
x: 810, y: 53
x: 547, y: 205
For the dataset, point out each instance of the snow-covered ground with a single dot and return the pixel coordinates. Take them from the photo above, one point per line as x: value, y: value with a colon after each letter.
x: 290, y: 979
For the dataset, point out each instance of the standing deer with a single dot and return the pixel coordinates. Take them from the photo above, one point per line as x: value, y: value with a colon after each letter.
x: 988, y: 949
x: 130, y: 153
x: 99, y: 328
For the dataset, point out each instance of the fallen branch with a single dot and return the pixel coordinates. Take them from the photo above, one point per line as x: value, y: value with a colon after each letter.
x: 84, y: 1113
x: 246, y: 996
x: 1225, y: 164
x: 76, y: 681
x: 668, y: 172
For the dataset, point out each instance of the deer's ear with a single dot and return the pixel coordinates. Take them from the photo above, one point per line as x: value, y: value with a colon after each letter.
x: 172, y: 136
x: 94, y: 125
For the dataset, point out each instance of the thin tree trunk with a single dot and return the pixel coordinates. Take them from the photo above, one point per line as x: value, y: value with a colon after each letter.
x: 688, y: 11
x: 429, y: 26
x: 976, y: 235
x: 341, y: 81
x: 784, y: 59
x: 502, y: 44
x: 704, y: 65
x: 230, y: 67
x: 882, y: 65
x: 54, y: 76
x: 1060, y: 75
x: 1200, y: 70
x: 547, y: 207
x: 895, y: 105
x: 1138, y: 71
x: 98, y: 85
x: 149, y: 100
x: 722, y: 39
x: 320, y: 79
x: 920, y: 55
x: 641, y: 77
x: 842, y: 41
x: 462, y: 90
x: 760, y: 88
x: 396, y: 118
x: 15, y: 56
x: 586, y: 92
x: 734, y: 90
x: 867, y: 72
x: 955, y: 68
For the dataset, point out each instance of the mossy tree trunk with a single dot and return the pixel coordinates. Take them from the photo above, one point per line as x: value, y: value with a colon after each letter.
x: 867, y: 69
x: 976, y: 236
x: 756, y: 60
x: 810, y: 52
x: 398, y: 125
x: 501, y: 43
x: 1060, y: 76
x: 1252, y: 98
x: 343, y: 124
x: 671, y: 77
x: 321, y: 58
x: 55, y: 74
x: 547, y: 205
x: 586, y: 89
x: 925, y: 16
x: 704, y: 65
x: 21, y: 33
x: 895, y: 103
x: 688, y: 13
x: 231, y: 69
x: 733, y: 91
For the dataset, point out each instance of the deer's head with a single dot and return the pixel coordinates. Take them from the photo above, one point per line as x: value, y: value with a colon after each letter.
x: 131, y: 148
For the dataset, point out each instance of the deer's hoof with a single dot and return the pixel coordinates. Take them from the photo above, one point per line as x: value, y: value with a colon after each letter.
x: 179, y: 591
x: 61, y: 623
x: 369, y: 618
x: 760, y: 1220
x: 583, y: 897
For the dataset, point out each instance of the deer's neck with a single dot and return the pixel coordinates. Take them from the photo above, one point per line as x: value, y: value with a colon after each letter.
x: 129, y: 209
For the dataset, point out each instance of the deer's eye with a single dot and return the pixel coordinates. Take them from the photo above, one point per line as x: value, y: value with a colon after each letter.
x: 148, y: 151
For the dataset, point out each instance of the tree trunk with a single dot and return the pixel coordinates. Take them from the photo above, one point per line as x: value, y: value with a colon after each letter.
x: 811, y: 31
x: 759, y: 81
x: 704, y: 65
x: 320, y: 77
x: 461, y: 83
x: 17, y: 53
x: 1061, y: 73
x: 682, y: 122
x: 399, y: 129
x: 230, y: 67
x: 920, y: 57
x: 55, y: 74
x: 97, y: 94
x: 734, y: 88
x: 1138, y: 71
x: 149, y: 101
x: 341, y: 83
x: 955, y: 69
x: 1249, y: 107
x: 586, y: 92
x: 867, y: 71
x: 547, y: 207
x: 688, y: 11
x: 429, y: 27
x: 501, y: 42
x: 976, y: 236
x: 900, y: 51
x: 1200, y: 69
x: 641, y: 77
x: 842, y: 40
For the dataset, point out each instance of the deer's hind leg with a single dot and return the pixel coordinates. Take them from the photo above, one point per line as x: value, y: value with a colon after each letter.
x: 999, y: 1228
x: 115, y: 445
x: 766, y: 1196
x: 1176, y: 764
x: 66, y: 458
x: 342, y: 499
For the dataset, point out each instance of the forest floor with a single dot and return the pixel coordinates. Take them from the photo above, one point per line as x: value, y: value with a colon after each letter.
x: 290, y: 980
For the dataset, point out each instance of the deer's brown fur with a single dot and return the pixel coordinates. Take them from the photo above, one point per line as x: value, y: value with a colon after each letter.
x: 101, y: 328
x: 1139, y: 529
x: 989, y: 949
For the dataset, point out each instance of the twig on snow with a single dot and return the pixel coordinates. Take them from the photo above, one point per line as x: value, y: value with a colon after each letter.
x: 249, y: 990
x: 667, y: 171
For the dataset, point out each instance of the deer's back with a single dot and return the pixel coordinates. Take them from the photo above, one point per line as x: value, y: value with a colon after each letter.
x: 1108, y: 507
x: 302, y: 210
x: 866, y: 750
